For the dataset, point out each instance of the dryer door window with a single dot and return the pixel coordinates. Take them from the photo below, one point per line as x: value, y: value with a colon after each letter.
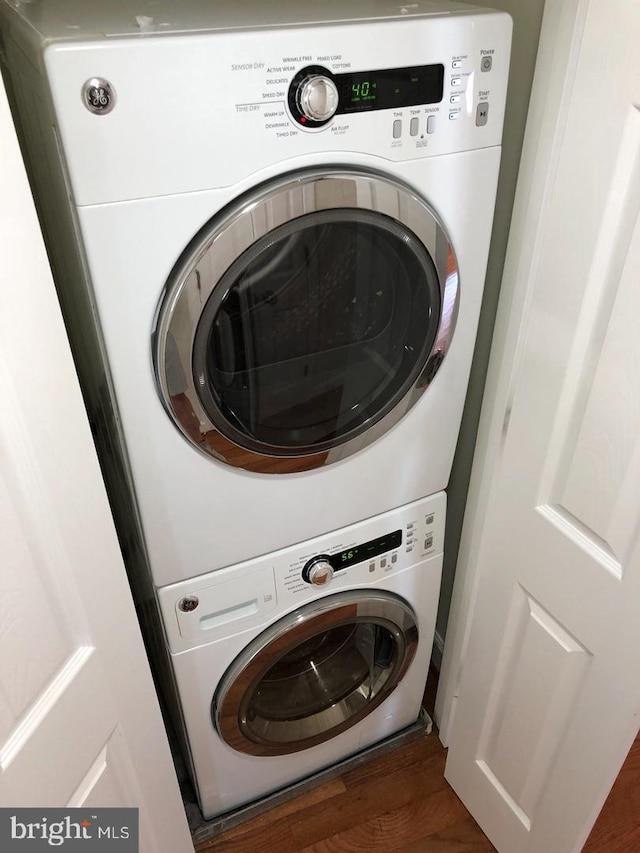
x: 316, y: 673
x: 316, y: 332
x: 308, y: 323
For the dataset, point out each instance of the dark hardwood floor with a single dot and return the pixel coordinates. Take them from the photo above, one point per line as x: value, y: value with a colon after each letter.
x: 398, y: 802
x: 401, y: 801
x: 617, y: 829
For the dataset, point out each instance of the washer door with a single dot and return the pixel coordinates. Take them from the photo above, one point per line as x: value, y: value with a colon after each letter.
x: 311, y: 316
x: 315, y: 673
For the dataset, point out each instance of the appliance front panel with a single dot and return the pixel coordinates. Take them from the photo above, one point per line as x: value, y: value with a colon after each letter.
x: 238, y: 598
x: 227, y: 778
x: 393, y: 560
x: 214, y: 108
x: 187, y: 501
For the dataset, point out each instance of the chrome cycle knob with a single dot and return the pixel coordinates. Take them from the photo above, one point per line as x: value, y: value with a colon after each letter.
x: 318, y: 571
x: 318, y: 97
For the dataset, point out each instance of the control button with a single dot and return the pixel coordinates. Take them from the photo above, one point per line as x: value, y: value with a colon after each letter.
x: 429, y: 519
x: 317, y: 571
x: 428, y: 542
x: 409, y: 550
x: 410, y: 526
x: 482, y: 114
x: 394, y: 558
x: 431, y: 124
x: 454, y: 99
x: 485, y: 63
x: 457, y: 63
x: 413, y: 127
x: 454, y: 116
x: 318, y: 97
x: 372, y: 567
x: 397, y: 128
x: 456, y: 81
x: 321, y: 574
x: 383, y: 563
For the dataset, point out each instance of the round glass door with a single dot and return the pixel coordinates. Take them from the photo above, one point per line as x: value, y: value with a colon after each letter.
x: 314, y: 314
x: 315, y: 673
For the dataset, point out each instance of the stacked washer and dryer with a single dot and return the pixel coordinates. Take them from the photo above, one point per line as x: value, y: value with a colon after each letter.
x: 282, y: 216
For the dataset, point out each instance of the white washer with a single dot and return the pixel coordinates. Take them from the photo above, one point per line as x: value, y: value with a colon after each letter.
x: 285, y: 212
x: 280, y: 678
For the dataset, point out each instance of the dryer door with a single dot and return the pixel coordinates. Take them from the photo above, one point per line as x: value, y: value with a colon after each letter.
x: 306, y: 321
x: 315, y: 673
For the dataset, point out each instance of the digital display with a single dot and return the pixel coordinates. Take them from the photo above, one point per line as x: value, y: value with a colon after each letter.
x: 360, y: 553
x: 392, y: 88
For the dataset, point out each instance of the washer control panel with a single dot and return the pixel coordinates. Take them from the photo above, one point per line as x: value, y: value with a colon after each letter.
x: 319, y: 570
x: 364, y: 552
x: 230, y: 600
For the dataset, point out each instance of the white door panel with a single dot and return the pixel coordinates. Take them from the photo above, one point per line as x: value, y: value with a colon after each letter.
x: 549, y: 695
x: 79, y: 719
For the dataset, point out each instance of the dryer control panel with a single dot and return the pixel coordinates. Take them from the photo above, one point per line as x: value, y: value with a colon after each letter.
x: 239, y: 597
x: 316, y: 94
x: 224, y: 105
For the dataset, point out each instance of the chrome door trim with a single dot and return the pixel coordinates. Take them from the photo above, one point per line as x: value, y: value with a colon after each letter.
x: 230, y: 701
x: 252, y: 217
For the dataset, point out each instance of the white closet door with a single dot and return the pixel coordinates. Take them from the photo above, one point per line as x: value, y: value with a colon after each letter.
x: 79, y: 718
x: 548, y: 700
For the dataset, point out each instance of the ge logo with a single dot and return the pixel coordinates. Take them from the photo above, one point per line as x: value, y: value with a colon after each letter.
x: 98, y: 95
x: 98, y: 98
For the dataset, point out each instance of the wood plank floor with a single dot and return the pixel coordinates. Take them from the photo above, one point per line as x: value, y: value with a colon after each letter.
x: 617, y: 829
x: 400, y: 801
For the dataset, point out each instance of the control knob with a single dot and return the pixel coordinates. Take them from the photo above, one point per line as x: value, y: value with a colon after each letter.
x: 317, y: 97
x: 318, y: 571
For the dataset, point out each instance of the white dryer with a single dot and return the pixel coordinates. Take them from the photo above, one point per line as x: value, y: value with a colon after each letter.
x: 293, y: 661
x: 284, y: 212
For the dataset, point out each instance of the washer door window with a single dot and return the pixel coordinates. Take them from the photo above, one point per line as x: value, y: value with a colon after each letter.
x: 307, y: 321
x: 315, y: 673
